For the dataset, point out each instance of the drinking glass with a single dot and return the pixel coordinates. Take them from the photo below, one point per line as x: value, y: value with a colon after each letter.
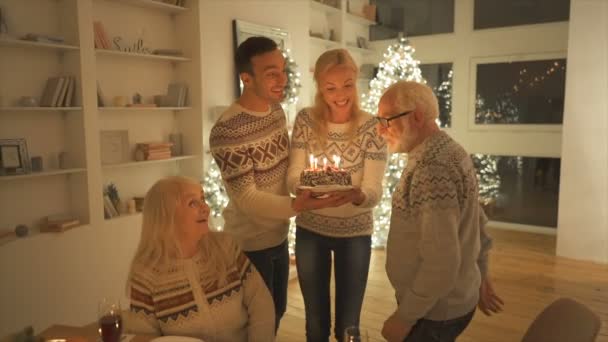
x: 355, y: 334
x: 110, y: 320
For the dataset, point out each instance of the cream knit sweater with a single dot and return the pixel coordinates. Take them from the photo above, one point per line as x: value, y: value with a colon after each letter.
x: 186, y: 298
x: 252, y: 151
x: 436, y: 246
x: 363, y: 156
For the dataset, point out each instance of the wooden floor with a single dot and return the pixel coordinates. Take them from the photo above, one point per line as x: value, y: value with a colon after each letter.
x: 526, y: 274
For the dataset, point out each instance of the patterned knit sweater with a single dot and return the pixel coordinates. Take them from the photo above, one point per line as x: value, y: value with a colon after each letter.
x: 434, y: 239
x: 252, y: 150
x: 186, y: 299
x: 364, y: 156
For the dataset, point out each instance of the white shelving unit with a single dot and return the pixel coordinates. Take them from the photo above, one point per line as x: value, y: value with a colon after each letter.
x: 147, y: 162
x: 346, y: 27
x: 155, y: 4
x: 77, y: 190
x: 142, y: 109
x: 40, y: 109
x: 101, y: 52
x: 43, y: 174
x: 8, y: 42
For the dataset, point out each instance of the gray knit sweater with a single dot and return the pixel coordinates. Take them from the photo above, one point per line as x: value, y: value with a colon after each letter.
x: 436, y: 244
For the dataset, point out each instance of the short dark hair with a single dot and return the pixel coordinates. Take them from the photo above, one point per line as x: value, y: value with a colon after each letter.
x: 251, y: 47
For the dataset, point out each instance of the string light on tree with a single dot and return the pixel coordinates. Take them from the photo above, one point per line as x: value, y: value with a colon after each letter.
x: 215, y: 194
x: 398, y: 64
x: 294, y: 83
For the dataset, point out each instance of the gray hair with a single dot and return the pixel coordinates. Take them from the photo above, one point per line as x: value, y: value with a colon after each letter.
x: 404, y: 95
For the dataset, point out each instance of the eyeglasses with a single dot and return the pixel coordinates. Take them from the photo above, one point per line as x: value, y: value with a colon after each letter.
x: 384, y: 122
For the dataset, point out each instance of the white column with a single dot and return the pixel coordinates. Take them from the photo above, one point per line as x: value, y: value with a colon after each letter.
x: 583, y: 200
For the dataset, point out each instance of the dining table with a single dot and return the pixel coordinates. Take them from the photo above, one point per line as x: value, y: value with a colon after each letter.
x: 88, y: 333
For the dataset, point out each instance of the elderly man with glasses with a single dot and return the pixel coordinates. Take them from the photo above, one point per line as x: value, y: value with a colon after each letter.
x: 437, y: 247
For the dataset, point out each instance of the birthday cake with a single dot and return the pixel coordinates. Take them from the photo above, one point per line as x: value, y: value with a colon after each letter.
x: 325, y: 176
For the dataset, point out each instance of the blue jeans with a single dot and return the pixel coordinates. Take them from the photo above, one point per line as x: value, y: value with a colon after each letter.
x: 273, y: 265
x: 439, y: 331
x: 351, y: 265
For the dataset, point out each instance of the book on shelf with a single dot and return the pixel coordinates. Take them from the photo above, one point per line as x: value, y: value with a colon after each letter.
x: 108, y: 207
x: 177, y: 95
x: 58, y: 223
x: 168, y: 52
x: 69, y: 97
x: 153, y: 150
x: 100, y: 101
x: 43, y: 38
x: 101, y: 37
x: 158, y: 156
x: 58, y: 92
x: 154, y: 145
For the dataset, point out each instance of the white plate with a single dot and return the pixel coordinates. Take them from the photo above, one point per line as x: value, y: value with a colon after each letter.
x: 176, y: 339
x: 326, y: 188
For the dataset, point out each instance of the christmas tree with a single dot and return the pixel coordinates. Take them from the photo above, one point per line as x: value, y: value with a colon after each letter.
x: 398, y: 64
x: 215, y: 194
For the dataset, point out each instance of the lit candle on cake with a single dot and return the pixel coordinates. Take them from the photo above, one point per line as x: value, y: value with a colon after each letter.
x: 337, y: 162
x: 312, y: 160
x: 324, y: 163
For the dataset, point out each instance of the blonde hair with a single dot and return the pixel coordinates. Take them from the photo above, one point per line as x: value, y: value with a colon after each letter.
x: 403, y: 95
x: 158, y: 244
x: 319, y: 112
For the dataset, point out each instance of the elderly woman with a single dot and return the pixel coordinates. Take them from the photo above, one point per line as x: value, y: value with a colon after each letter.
x: 188, y: 281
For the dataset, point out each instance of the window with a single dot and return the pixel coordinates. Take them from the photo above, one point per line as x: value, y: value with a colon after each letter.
x: 439, y: 78
x: 522, y: 190
x: 501, y: 13
x: 412, y: 17
x: 524, y: 92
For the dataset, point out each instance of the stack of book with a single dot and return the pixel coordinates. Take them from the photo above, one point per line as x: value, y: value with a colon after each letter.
x: 59, y: 92
x: 58, y: 223
x: 155, y: 150
x: 101, y: 37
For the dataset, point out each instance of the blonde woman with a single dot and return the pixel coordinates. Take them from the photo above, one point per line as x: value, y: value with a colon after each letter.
x: 336, y: 126
x: 188, y: 281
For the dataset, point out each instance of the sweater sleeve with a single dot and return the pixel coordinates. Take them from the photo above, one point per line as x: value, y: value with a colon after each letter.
x: 374, y: 164
x: 141, y: 316
x: 486, y: 244
x: 297, y: 153
x: 257, y: 300
x: 236, y: 167
x: 435, y: 192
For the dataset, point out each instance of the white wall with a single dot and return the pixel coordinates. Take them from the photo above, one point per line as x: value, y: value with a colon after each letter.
x: 583, y: 205
x: 218, y: 46
x: 58, y: 278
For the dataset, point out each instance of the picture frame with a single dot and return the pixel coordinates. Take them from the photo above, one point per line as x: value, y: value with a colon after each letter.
x: 242, y: 30
x: 114, y: 146
x: 14, y: 157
